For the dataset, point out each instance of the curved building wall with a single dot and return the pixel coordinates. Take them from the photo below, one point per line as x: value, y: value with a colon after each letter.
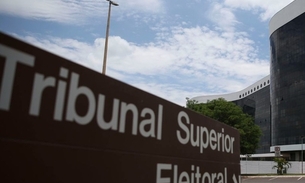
x: 236, y: 95
x: 287, y: 42
x: 255, y: 101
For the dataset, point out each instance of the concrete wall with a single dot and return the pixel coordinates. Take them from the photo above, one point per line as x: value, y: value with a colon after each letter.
x: 265, y: 167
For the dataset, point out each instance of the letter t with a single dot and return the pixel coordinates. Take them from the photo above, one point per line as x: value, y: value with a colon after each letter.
x: 12, y: 58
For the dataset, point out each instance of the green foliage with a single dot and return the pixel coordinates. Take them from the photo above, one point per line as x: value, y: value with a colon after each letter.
x: 231, y: 114
x: 281, y: 164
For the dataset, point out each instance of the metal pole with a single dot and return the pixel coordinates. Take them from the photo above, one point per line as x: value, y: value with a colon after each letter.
x: 246, y: 163
x: 302, y: 152
x: 106, y: 40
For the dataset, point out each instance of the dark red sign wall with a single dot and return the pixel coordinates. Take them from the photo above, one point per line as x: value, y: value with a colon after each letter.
x: 61, y: 122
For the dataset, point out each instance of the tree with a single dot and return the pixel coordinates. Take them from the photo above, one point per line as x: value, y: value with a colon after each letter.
x: 281, y: 165
x: 231, y: 114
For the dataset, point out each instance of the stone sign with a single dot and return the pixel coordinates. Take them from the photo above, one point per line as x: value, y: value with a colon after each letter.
x: 62, y: 122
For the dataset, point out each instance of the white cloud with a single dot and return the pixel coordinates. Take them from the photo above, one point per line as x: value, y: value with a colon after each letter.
x: 152, y: 6
x: 79, y: 52
x: 180, y: 65
x: 266, y: 8
x: 74, y: 11
x: 222, y: 16
x: 222, y: 12
x: 173, y: 93
x: 190, y: 51
x: 182, y: 61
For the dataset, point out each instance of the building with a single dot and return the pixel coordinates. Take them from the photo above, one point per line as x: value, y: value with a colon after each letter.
x: 287, y: 78
x: 254, y: 100
x: 277, y: 102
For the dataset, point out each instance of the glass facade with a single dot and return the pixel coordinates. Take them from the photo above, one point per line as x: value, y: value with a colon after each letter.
x: 287, y: 85
x: 278, y: 104
x: 257, y: 105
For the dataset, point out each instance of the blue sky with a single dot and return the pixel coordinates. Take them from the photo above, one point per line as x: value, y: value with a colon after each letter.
x: 171, y: 48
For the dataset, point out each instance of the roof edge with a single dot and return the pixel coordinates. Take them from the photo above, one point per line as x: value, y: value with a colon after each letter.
x: 285, y: 15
